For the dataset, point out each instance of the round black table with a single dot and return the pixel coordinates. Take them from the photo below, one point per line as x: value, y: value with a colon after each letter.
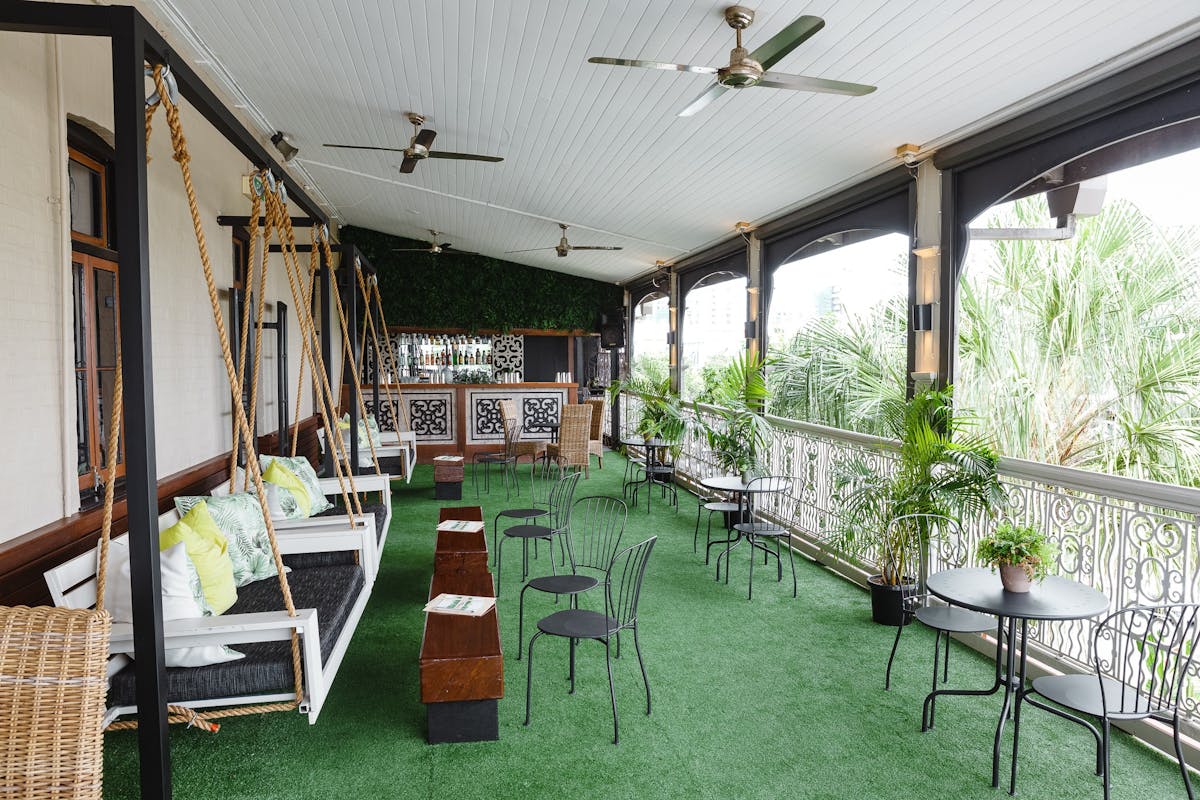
x: 979, y: 589
x: 656, y: 470
x: 744, y: 492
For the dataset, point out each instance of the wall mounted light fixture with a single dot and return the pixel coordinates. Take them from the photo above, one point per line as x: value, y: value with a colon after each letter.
x: 922, y: 317
x: 285, y: 148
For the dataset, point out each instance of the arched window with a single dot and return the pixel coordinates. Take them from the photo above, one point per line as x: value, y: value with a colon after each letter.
x: 651, y: 353
x: 1079, y: 339
x: 714, y: 328
x: 836, y: 329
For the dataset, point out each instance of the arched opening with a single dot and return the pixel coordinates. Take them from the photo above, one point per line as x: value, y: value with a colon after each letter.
x: 1084, y: 350
x: 714, y: 328
x: 651, y: 353
x: 836, y: 328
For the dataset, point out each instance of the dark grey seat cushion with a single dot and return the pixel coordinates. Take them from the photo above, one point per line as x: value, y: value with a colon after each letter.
x: 340, y: 557
x: 267, y: 667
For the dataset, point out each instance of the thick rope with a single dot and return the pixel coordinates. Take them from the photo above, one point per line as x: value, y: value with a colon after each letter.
x: 347, y: 350
x: 258, y: 319
x: 311, y: 350
x: 312, y: 272
x: 247, y: 293
x: 110, y: 480
x: 391, y: 357
x: 381, y: 362
x: 179, y: 145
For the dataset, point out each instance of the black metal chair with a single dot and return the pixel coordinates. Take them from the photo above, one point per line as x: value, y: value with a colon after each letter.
x: 622, y: 592
x: 755, y: 530
x: 713, y: 503
x: 559, y: 517
x: 506, y: 458
x: 535, y: 510
x: 592, y: 536
x: 944, y: 536
x: 1141, y: 656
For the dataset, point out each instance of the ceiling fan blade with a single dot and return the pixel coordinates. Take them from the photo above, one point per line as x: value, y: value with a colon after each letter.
x: 463, y: 156
x: 697, y: 105
x: 637, y: 62
x: 365, y: 147
x: 530, y: 250
x: 772, y: 51
x: 594, y: 247
x: 803, y: 83
x: 408, y: 164
x: 445, y: 245
x: 425, y: 137
x: 411, y: 250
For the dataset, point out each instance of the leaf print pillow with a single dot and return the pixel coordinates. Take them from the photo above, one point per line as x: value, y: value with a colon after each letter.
x: 240, y: 518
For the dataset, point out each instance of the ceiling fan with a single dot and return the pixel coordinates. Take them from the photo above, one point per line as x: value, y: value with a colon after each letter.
x: 564, y: 247
x: 418, y: 147
x: 433, y: 248
x: 748, y: 69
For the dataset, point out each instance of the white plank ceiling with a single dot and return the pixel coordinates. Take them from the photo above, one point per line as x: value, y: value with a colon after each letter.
x: 600, y: 147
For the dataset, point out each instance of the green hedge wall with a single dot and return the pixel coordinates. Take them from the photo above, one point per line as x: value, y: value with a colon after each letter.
x: 476, y: 292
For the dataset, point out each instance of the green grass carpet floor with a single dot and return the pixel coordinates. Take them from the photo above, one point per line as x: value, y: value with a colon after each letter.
x: 772, y: 698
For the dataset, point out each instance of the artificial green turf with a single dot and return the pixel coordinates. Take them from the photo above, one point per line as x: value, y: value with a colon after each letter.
x: 773, y: 698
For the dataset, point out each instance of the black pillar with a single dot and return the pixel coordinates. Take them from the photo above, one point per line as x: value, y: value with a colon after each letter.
x: 327, y: 354
x: 141, y: 480
x: 350, y: 274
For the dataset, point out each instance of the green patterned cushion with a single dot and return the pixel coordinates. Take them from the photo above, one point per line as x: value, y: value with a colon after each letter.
x: 240, y: 518
x: 307, y: 475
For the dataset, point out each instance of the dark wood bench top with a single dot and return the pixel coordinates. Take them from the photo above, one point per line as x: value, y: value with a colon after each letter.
x: 461, y: 657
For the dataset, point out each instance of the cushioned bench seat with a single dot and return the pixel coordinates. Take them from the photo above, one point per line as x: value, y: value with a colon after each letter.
x: 267, y: 667
x: 336, y: 557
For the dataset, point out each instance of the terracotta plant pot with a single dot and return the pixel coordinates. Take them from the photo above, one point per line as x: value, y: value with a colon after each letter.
x: 1014, y: 578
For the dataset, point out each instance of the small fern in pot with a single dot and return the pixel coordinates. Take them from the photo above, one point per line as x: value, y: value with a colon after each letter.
x: 1022, y: 552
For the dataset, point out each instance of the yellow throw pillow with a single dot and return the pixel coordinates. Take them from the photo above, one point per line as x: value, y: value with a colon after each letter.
x: 209, y: 552
x: 284, y: 478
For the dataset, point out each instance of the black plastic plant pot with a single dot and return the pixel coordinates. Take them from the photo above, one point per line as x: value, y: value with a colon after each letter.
x: 887, y: 602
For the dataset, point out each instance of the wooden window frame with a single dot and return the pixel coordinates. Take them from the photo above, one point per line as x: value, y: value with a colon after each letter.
x: 101, y: 169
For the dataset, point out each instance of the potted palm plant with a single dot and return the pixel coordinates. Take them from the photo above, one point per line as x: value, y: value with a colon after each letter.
x: 735, y: 429
x: 1022, y: 552
x: 941, y: 468
x: 661, y: 413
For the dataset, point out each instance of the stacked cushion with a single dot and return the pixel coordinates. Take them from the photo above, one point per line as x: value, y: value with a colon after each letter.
x: 208, y: 551
x: 300, y: 467
x: 240, y: 518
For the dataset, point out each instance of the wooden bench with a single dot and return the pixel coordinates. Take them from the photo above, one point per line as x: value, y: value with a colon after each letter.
x: 461, y: 662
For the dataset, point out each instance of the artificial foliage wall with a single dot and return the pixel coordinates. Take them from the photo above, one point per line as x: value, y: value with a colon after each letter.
x: 476, y: 292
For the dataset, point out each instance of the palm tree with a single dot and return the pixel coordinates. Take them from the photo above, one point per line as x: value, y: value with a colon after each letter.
x: 1086, y: 352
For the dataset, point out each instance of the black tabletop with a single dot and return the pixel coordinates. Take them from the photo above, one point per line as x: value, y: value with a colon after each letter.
x: 733, y: 483
x: 979, y: 589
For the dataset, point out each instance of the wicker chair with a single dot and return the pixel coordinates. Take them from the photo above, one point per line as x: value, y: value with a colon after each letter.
x: 596, y: 439
x: 533, y: 449
x: 571, y: 449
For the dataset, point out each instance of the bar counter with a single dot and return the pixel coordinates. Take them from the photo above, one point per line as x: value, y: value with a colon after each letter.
x: 465, y: 417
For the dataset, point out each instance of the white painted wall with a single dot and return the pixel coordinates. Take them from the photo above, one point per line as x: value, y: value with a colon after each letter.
x: 192, y: 402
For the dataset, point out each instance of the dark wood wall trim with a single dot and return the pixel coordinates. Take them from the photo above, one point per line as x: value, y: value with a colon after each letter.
x: 24, y: 559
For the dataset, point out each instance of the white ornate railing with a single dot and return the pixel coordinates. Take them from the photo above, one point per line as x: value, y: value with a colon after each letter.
x: 1137, y: 541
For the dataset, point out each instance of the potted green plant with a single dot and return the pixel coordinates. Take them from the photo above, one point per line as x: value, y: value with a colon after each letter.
x: 735, y: 429
x: 941, y: 467
x: 661, y: 413
x: 1022, y: 552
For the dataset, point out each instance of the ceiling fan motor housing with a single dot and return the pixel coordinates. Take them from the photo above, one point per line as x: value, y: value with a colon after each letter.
x: 742, y: 71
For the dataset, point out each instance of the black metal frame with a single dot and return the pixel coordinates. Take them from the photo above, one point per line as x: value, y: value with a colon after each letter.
x: 134, y: 42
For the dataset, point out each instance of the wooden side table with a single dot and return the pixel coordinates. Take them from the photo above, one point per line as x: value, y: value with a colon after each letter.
x: 448, y: 479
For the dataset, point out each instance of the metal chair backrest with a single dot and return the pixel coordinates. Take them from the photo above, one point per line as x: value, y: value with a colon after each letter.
x: 760, y: 490
x: 906, y: 551
x: 559, y: 501
x: 594, y: 534
x: 624, y: 587
x: 1149, y: 649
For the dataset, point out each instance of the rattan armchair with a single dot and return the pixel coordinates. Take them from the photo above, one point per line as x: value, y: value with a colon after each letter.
x: 596, y: 438
x: 571, y: 449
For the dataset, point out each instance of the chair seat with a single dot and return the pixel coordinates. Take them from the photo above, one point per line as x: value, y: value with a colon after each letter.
x: 661, y: 469
x: 1082, y: 693
x: 721, y: 507
x: 528, y: 532
x: 563, y: 584
x: 578, y: 623
x: 524, y: 513
x: 491, y: 458
x: 760, y: 528
x: 956, y: 620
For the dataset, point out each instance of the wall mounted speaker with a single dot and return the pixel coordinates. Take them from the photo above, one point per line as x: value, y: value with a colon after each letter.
x: 612, y: 335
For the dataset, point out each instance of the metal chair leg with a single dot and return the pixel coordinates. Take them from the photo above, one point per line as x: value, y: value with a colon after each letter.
x: 937, y: 641
x: 499, y: 563
x: 1012, y: 780
x: 1187, y: 781
x: 1106, y: 731
x: 946, y: 660
x: 529, y: 676
x: 792, y: 559
x: 612, y: 692
x: 521, y: 621
x: 887, y: 679
x: 571, y: 668
x: 637, y: 646
x: 750, y: 584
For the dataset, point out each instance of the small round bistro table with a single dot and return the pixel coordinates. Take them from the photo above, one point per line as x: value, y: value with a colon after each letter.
x: 978, y: 589
x: 655, y: 470
x: 744, y: 494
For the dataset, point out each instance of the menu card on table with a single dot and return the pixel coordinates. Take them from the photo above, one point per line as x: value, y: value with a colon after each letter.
x: 463, y: 525
x: 465, y: 604
x: 448, y: 459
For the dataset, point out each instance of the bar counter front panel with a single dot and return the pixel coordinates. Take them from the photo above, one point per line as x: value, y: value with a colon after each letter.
x: 465, y: 417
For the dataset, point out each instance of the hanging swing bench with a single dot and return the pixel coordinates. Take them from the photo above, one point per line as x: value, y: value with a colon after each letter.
x: 293, y: 631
